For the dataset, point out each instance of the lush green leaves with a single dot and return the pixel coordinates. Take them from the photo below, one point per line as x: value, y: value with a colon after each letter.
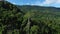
x: 29, y: 19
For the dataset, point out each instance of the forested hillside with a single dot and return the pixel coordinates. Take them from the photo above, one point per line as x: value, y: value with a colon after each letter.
x: 26, y: 19
x: 10, y: 18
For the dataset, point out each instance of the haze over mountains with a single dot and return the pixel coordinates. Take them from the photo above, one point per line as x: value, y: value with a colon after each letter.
x: 27, y: 19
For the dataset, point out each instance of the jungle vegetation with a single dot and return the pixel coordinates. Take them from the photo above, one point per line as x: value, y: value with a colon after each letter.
x: 26, y: 19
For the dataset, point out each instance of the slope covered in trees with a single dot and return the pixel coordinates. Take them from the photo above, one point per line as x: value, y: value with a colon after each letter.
x: 46, y: 20
x: 10, y: 18
x: 28, y: 19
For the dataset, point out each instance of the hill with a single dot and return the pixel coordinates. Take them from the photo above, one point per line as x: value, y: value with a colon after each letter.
x: 10, y: 15
x: 15, y: 19
x: 41, y: 8
x: 47, y: 18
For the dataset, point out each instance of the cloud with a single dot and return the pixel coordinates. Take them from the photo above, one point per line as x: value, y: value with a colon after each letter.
x: 58, y: 1
x: 55, y: 3
x: 48, y: 3
x: 13, y: 3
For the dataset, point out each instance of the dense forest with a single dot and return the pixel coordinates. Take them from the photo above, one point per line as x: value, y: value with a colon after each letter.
x: 27, y: 19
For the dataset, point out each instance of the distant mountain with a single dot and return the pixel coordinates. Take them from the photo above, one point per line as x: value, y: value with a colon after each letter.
x: 41, y: 8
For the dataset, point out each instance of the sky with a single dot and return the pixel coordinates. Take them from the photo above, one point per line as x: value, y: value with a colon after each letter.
x: 54, y: 3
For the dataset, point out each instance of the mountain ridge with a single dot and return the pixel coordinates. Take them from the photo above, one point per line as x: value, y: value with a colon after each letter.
x: 28, y: 19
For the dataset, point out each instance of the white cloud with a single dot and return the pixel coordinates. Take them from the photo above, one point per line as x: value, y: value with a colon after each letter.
x: 14, y: 3
x: 48, y: 2
x: 44, y: 3
x: 58, y: 1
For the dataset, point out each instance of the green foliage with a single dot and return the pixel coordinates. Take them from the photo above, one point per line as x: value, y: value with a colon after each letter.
x: 28, y: 19
x: 34, y: 29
